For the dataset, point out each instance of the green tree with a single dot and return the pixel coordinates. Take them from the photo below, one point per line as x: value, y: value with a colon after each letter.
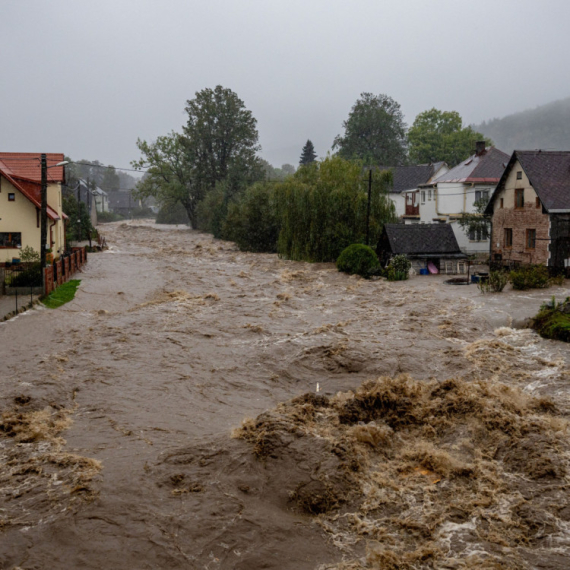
x: 218, y: 145
x: 169, y: 176
x: 308, y: 154
x: 476, y: 224
x: 375, y: 132
x: 78, y: 226
x: 440, y: 136
x: 110, y: 181
x: 221, y: 138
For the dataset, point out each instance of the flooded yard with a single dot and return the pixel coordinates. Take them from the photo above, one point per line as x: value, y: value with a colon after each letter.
x: 146, y: 425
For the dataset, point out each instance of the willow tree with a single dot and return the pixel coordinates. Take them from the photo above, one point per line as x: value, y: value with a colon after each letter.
x: 323, y: 208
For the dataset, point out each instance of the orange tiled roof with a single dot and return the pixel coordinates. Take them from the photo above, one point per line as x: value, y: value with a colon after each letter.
x: 26, y: 165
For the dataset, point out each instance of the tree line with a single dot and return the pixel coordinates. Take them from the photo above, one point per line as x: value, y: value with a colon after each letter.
x: 211, y: 173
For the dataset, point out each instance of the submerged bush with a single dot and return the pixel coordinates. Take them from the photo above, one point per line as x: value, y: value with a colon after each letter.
x: 104, y: 217
x: 172, y: 214
x: 530, y: 277
x: 553, y: 321
x: 358, y: 259
x: 399, y: 268
x: 495, y: 283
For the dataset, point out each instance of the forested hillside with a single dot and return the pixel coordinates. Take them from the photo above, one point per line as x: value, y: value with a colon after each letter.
x: 545, y: 127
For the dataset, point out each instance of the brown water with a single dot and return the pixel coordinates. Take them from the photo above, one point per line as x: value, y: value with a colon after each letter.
x: 118, y: 408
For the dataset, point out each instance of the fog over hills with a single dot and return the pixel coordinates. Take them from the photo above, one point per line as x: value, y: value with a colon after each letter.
x: 546, y: 127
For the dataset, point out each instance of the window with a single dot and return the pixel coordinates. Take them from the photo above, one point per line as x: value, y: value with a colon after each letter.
x: 519, y: 175
x: 508, y: 237
x: 519, y: 198
x: 11, y: 197
x: 429, y: 194
x: 530, y: 239
x: 481, y: 195
x: 423, y: 196
x: 10, y: 239
x: 478, y: 234
x: 537, y: 202
x: 502, y: 202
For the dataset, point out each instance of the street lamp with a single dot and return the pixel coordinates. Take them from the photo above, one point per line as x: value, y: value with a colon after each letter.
x: 43, y: 231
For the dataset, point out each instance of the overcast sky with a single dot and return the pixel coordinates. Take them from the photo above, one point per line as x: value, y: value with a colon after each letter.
x: 88, y: 77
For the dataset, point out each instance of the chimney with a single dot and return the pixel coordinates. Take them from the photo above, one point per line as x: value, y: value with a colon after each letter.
x: 480, y: 148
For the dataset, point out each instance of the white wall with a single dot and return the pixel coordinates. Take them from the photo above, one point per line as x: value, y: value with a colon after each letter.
x: 399, y: 203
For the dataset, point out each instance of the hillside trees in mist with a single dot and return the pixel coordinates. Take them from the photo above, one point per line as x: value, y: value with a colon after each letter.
x: 375, y: 132
x: 546, y: 127
x: 95, y: 173
x: 440, y: 136
x: 217, y: 149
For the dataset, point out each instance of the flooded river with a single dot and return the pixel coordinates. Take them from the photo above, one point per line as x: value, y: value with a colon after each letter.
x: 121, y: 446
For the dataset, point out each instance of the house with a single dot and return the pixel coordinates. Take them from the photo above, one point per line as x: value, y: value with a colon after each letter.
x: 406, y: 179
x: 423, y: 244
x: 444, y: 199
x: 101, y: 199
x: 530, y: 210
x: 20, y: 203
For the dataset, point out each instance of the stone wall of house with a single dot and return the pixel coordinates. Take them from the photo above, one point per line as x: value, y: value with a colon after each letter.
x: 519, y: 220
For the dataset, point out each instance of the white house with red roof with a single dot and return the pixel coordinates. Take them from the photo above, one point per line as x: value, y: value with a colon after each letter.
x: 20, y: 203
x: 444, y: 199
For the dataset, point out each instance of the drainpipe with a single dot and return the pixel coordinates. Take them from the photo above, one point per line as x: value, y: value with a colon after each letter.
x: 51, y: 234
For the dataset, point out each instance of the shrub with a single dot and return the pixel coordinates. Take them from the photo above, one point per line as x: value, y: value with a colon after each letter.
x: 400, y: 264
x: 29, y: 277
x: 553, y: 320
x: 211, y: 212
x: 495, y: 283
x: 252, y: 221
x: 104, y: 217
x: 530, y: 277
x: 172, y: 214
x: 144, y: 212
x: 29, y: 255
x: 358, y: 259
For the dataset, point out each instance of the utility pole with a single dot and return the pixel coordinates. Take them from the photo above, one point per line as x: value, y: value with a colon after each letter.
x: 79, y: 209
x: 43, y: 231
x: 368, y: 208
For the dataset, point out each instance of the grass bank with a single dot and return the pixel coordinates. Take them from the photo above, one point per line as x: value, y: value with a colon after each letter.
x: 63, y: 294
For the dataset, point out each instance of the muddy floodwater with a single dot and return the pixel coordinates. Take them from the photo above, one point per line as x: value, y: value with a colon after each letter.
x: 199, y: 407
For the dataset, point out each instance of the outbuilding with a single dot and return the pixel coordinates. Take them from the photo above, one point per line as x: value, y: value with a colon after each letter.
x: 426, y: 245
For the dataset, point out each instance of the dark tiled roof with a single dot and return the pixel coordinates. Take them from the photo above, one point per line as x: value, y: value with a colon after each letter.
x: 549, y: 174
x: 410, y: 177
x: 485, y: 168
x: 417, y: 239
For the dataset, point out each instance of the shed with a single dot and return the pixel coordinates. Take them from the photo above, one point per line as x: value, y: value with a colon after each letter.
x: 423, y: 244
